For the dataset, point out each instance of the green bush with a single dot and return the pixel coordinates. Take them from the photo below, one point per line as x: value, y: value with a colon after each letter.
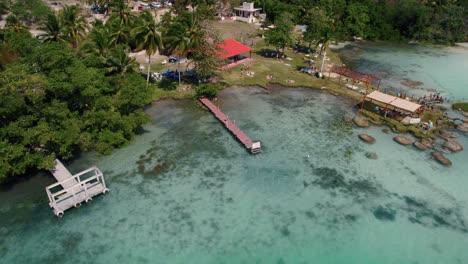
x: 208, y: 90
x: 460, y: 106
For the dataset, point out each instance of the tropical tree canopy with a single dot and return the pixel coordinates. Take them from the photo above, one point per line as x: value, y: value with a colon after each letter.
x: 147, y: 36
x: 74, y: 25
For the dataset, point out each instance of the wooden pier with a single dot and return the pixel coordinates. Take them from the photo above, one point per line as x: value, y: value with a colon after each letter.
x: 71, y: 190
x: 253, y: 147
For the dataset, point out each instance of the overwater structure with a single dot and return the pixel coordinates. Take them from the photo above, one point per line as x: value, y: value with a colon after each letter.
x: 253, y: 147
x: 72, y: 190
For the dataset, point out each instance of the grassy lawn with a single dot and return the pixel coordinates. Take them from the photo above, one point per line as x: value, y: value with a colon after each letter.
x: 285, y: 72
x: 463, y: 106
x: 237, y: 30
x: 174, y: 94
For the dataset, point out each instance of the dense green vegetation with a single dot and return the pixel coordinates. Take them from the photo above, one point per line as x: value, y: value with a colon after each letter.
x: 74, y: 88
x: 444, y: 21
x: 54, y: 103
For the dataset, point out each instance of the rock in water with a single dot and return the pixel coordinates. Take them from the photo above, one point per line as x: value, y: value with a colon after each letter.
x: 376, y: 122
x: 447, y: 134
x: 411, y: 83
x: 463, y: 127
x: 441, y: 158
x: 403, y: 140
x: 371, y: 155
x: 427, y: 142
x: 452, y: 145
x: 347, y: 119
x: 367, y: 138
x: 420, y: 145
x: 361, y: 121
x: 385, y: 130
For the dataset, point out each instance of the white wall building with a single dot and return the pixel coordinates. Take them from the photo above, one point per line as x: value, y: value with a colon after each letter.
x: 246, y: 13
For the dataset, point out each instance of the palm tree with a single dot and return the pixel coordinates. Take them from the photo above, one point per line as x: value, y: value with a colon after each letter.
x: 53, y: 30
x: 324, y: 40
x: 119, y: 32
x: 100, y: 41
x: 119, y: 62
x: 183, y: 36
x: 120, y: 10
x: 74, y: 25
x: 147, y: 37
x: 15, y: 24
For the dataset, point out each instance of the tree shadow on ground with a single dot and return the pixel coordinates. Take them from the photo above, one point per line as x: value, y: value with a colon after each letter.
x: 267, y: 53
x: 167, y: 84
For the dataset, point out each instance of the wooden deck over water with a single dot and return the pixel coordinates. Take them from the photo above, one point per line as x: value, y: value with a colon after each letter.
x: 62, y: 175
x: 243, y: 138
x: 71, y: 190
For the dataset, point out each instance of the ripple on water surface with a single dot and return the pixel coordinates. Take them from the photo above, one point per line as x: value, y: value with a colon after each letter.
x: 185, y: 191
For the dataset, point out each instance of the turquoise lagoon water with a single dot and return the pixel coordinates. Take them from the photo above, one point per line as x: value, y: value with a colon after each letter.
x: 439, y: 69
x: 185, y: 191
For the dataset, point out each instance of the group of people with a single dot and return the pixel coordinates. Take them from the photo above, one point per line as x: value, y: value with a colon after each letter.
x: 389, y: 113
x: 247, y: 73
x: 432, y: 98
x: 427, y: 126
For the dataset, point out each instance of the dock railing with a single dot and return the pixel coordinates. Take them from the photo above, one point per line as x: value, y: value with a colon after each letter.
x: 84, y: 181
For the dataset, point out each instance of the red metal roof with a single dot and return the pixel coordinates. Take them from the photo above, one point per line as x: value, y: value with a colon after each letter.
x: 230, y: 48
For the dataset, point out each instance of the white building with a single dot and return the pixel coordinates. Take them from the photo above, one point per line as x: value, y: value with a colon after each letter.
x: 246, y: 13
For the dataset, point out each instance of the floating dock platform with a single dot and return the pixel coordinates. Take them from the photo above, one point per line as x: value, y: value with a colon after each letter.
x: 253, y: 147
x: 71, y: 190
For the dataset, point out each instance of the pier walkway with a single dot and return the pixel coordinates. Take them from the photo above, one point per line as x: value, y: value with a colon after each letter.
x: 71, y: 190
x: 254, y: 147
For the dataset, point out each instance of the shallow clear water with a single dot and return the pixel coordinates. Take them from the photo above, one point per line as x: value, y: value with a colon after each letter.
x: 185, y: 191
x: 440, y: 69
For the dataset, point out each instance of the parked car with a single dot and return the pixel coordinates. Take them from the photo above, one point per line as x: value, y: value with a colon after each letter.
x: 155, y: 5
x: 96, y: 9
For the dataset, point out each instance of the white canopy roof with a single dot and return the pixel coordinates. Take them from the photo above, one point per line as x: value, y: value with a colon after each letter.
x: 394, y: 101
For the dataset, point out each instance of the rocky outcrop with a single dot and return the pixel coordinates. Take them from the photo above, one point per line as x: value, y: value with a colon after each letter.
x: 420, y: 145
x: 347, y: 119
x: 367, y: 138
x: 441, y: 158
x: 427, y: 142
x: 447, y: 134
x: 371, y: 155
x: 411, y: 83
x: 361, y: 121
x: 376, y: 122
x: 463, y: 127
x: 453, y: 146
x: 403, y: 140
